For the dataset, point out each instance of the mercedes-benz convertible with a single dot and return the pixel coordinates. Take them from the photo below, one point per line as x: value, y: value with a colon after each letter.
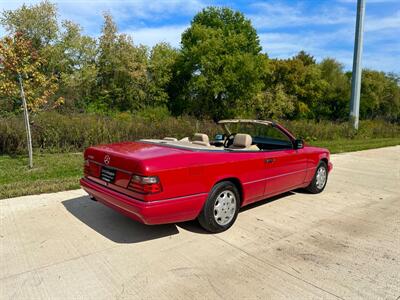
x: 156, y: 181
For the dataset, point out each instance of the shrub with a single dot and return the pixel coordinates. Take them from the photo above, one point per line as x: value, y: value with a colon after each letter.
x: 56, y: 132
x: 328, y: 130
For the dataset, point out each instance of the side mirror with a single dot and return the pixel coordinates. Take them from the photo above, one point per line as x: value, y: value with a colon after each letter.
x: 298, y: 144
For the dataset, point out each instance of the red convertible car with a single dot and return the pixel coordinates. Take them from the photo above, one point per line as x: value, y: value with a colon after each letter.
x: 156, y: 181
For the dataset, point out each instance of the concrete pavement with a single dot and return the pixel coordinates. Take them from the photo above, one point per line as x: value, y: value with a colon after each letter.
x: 343, y: 243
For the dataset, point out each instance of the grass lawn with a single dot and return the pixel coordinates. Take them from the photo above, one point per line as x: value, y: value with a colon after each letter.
x: 50, y: 173
x: 61, y: 171
x: 339, y: 146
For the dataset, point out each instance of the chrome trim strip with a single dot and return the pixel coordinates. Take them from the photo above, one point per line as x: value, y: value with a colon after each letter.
x: 277, y: 176
x: 254, y: 181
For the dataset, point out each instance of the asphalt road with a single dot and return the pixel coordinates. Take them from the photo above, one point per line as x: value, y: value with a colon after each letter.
x: 343, y: 243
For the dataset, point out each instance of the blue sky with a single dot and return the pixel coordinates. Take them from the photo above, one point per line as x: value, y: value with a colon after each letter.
x: 323, y: 28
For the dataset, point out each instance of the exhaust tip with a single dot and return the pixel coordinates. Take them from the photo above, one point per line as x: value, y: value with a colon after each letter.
x: 92, y: 198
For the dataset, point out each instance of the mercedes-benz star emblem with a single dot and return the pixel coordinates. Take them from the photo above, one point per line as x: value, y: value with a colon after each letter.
x: 107, y: 159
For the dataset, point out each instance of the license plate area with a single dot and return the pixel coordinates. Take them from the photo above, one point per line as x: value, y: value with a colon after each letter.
x: 107, y: 174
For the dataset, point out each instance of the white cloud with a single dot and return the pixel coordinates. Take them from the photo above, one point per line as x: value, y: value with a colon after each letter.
x: 310, y: 41
x: 327, y: 31
x: 381, y: 61
x: 376, y: 55
x: 278, y: 15
x: 378, y: 24
x: 88, y: 13
x: 135, y: 8
x: 151, y: 36
x: 369, y: 1
x: 321, y: 28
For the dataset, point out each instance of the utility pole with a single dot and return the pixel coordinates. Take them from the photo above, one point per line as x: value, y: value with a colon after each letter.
x: 27, y: 125
x: 357, y: 69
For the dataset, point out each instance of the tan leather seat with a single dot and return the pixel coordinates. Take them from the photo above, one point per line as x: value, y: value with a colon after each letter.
x: 201, y: 137
x: 253, y: 148
x: 243, y: 141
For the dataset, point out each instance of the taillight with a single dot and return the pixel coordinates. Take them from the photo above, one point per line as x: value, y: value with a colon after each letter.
x: 145, y: 184
x: 86, y: 168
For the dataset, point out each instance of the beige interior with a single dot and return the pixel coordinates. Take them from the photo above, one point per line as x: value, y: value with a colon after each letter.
x: 201, y: 137
x: 185, y: 144
x: 201, y: 141
x: 243, y: 142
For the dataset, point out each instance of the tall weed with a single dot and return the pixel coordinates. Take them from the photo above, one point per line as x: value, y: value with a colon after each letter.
x: 55, y: 132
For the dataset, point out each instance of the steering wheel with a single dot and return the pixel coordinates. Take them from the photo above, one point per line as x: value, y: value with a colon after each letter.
x: 229, y: 140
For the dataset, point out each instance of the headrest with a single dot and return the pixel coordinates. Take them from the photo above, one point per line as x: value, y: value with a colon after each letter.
x: 242, y: 140
x: 201, y: 137
x: 170, y: 139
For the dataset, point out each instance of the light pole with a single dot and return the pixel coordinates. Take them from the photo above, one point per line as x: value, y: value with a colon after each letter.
x: 357, y: 69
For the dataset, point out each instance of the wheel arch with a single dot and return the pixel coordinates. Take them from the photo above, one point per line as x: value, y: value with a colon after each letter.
x: 237, y: 183
x: 325, y: 160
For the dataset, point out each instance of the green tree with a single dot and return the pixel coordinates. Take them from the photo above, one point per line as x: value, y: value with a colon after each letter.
x: 38, y: 26
x: 19, y: 57
x: 161, y: 63
x: 74, y: 58
x: 301, y: 81
x: 380, y: 96
x: 306, y: 58
x: 336, y: 94
x: 390, y: 104
x: 218, y: 72
x: 66, y: 54
x: 121, y: 70
x: 37, y: 23
x: 220, y: 66
x: 274, y: 103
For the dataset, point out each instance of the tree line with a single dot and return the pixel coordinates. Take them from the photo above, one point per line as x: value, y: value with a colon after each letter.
x: 219, y: 71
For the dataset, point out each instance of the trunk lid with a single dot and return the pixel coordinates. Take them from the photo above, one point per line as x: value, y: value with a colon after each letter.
x: 128, y: 155
x: 114, y: 164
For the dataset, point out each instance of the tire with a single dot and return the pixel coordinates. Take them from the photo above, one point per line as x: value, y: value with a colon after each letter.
x: 221, y: 208
x: 317, y: 186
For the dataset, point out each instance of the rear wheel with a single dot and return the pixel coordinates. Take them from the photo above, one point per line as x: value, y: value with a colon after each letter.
x: 221, y: 208
x: 318, y: 183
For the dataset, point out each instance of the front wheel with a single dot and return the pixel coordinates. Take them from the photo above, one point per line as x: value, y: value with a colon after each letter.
x: 318, y: 183
x: 221, y: 208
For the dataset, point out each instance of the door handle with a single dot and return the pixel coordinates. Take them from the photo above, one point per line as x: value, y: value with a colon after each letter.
x: 269, y: 160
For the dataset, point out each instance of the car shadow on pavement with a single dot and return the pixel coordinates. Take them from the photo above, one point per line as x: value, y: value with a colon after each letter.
x: 113, y: 225
x: 266, y: 201
x: 194, y: 226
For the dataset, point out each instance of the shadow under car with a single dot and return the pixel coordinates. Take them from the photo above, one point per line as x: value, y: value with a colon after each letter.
x: 114, y: 225
x: 121, y: 229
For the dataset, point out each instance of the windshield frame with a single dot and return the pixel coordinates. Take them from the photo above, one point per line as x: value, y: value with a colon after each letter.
x: 225, y: 123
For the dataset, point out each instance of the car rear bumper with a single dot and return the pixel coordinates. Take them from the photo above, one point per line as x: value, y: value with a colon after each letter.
x: 330, y: 166
x: 156, y: 212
